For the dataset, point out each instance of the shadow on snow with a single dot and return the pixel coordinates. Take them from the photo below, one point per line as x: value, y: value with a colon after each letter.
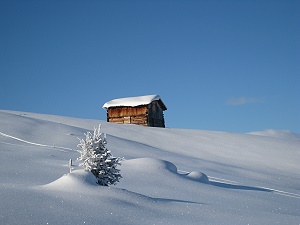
x: 238, y: 187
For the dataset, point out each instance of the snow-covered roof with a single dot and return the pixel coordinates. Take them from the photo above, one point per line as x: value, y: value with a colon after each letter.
x: 134, y: 101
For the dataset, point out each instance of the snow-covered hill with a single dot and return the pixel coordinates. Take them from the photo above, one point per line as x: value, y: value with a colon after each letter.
x: 253, y: 178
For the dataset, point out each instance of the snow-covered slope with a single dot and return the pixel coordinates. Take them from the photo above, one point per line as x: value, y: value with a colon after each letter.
x: 281, y: 134
x: 170, y: 176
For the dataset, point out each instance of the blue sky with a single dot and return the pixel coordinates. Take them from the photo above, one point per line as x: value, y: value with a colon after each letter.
x: 218, y: 65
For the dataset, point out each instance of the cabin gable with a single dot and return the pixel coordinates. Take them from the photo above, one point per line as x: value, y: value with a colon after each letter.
x: 155, y: 115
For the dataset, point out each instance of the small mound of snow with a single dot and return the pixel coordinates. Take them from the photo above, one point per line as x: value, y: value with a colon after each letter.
x: 75, y: 181
x: 198, y: 176
x: 150, y: 164
x: 281, y: 134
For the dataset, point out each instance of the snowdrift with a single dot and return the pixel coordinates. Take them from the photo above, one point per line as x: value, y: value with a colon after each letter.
x: 170, y: 176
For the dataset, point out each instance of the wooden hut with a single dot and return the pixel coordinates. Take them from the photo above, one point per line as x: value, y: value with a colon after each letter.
x: 142, y: 110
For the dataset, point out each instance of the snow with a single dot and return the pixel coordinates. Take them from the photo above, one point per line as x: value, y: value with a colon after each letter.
x: 170, y: 176
x: 132, y: 101
x: 282, y: 134
x: 198, y: 176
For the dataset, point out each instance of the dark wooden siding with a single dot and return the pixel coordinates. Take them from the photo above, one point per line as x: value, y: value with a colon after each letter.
x: 155, y: 115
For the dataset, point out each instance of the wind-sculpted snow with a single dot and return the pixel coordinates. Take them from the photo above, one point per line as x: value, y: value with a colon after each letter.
x: 198, y: 176
x: 76, y: 181
x: 170, y: 176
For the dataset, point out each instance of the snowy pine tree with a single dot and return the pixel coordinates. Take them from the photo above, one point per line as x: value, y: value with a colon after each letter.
x: 96, y: 158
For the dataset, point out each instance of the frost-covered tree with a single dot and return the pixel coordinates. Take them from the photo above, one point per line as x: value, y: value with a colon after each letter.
x: 96, y: 158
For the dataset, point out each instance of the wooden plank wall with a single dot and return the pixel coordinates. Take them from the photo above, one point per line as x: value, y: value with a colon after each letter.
x: 127, y: 111
x: 134, y: 115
